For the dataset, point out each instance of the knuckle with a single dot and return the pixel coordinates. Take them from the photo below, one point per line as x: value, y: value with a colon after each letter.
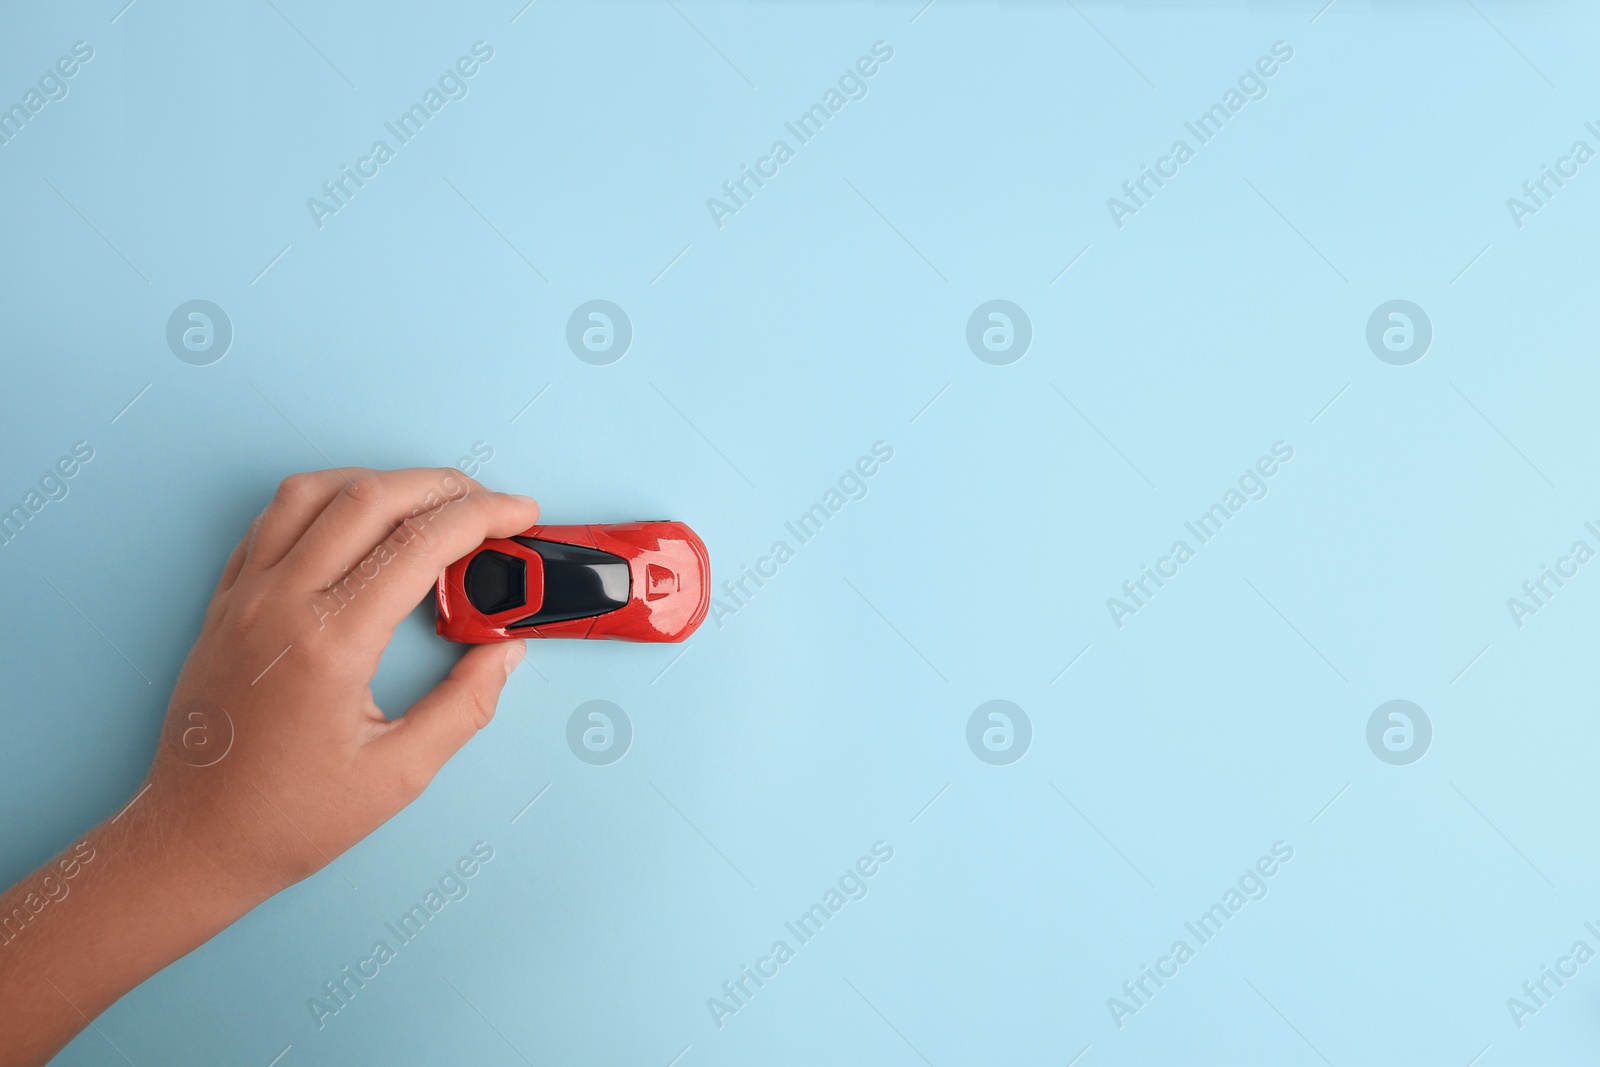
x: 252, y: 609
x: 481, y: 506
x: 395, y: 546
x: 420, y: 535
x: 455, y: 484
x: 412, y: 778
x: 366, y: 491
x: 295, y: 489
x: 478, y: 708
x: 469, y: 704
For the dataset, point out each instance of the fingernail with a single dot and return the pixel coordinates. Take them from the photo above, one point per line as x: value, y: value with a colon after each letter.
x: 524, y: 499
x: 514, y: 653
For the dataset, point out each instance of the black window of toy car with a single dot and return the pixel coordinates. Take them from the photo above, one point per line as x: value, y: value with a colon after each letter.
x: 579, y: 582
x: 496, y: 582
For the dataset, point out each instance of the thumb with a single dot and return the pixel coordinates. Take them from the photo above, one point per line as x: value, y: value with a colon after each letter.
x: 436, y: 727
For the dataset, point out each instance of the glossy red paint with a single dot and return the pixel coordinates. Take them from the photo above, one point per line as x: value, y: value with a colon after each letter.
x: 667, y: 595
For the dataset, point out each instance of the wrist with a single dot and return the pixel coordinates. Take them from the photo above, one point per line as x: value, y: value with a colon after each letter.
x: 183, y: 858
x: 71, y: 951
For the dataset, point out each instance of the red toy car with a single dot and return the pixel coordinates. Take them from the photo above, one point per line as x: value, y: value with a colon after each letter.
x: 630, y: 581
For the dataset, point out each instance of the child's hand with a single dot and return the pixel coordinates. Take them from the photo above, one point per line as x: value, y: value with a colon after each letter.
x: 290, y: 643
x: 274, y: 758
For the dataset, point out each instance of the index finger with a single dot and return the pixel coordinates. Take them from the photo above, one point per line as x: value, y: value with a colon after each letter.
x: 363, y: 512
x: 370, y: 601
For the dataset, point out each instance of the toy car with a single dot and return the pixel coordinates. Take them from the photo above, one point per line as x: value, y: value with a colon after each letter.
x: 630, y: 581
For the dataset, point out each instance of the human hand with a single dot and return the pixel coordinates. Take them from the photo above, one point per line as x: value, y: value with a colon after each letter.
x: 273, y: 757
x: 291, y: 640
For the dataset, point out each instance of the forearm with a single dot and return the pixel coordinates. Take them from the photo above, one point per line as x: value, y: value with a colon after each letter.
x: 75, y: 935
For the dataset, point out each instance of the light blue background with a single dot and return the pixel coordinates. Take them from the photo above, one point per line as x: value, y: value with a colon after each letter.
x: 821, y: 318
